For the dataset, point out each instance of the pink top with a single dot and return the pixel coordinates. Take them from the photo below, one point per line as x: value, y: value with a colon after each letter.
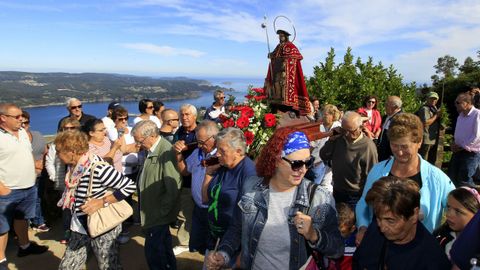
x: 375, y: 123
x: 104, y: 149
x: 467, y: 131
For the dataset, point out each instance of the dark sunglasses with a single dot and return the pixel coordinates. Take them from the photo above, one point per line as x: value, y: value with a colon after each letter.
x: 17, y: 117
x: 149, y: 107
x: 69, y: 128
x: 76, y: 107
x: 371, y: 101
x: 298, y: 164
x: 26, y: 123
x: 122, y: 118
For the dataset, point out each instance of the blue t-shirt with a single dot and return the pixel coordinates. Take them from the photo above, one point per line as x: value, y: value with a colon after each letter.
x: 195, y: 168
x: 223, y: 195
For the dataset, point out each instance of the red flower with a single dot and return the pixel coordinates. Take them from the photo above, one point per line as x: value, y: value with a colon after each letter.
x: 270, y: 120
x: 223, y: 117
x: 260, y: 91
x: 249, y: 96
x: 228, y: 123
x: 249, y: 137
x: 243, y: 122
x: 258, y: 98
x: 247, y: 112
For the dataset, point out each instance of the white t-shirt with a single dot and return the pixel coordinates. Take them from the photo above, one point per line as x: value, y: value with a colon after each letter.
x: 108, y: 122
x: 17, y: 168
x: 152, y: 117
x: 130, y: 160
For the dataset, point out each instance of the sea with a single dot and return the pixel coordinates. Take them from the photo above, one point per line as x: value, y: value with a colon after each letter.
x: 45, y: 119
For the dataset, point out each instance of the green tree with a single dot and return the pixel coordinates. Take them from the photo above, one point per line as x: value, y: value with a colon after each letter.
x: 469, y: 66
x: 347, y: 83
x: 446, y: 66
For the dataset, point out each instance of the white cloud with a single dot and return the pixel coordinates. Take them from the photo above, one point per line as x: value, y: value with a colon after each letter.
x: 163, y: 50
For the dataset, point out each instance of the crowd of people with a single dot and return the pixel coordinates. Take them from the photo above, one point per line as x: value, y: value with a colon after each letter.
x: 365, y: 195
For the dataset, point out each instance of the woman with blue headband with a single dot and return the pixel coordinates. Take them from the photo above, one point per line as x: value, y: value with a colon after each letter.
x: 276, y: 218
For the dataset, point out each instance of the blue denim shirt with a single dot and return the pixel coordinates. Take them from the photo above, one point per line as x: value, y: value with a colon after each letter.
x: 251, y: 215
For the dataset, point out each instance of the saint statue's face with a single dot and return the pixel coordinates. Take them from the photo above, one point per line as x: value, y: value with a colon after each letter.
x: 282, y: 37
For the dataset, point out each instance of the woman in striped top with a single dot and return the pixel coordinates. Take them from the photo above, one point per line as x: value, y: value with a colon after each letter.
x: 72, y: 148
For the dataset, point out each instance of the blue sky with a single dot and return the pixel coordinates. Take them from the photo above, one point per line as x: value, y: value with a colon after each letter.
x: 224, y: 38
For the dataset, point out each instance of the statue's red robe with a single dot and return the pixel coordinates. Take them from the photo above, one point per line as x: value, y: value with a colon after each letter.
x: 287, y: 87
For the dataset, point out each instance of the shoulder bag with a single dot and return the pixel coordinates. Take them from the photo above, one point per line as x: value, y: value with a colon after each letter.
x: 106, y: 218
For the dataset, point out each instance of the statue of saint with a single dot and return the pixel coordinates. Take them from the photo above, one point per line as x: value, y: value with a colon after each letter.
x: 285, y: 84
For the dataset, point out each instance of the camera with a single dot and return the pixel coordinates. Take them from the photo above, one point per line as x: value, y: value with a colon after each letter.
x: 210, y: 161
x: 120, y: 131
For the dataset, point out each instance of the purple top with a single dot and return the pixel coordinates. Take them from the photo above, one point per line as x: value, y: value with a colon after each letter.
x: 467, y: 131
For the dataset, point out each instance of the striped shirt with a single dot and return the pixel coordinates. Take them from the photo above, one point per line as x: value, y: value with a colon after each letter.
x: 105, y: 178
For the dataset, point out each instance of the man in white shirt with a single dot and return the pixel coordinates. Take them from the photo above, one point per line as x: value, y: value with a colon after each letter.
x: 17, y: 183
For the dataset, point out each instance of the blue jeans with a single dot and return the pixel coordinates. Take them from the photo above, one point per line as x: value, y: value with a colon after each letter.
x: 158, y: 248
x: 19, y: 204
x: 463, y: 166
x: 38, y: 219
x: 199, y: 232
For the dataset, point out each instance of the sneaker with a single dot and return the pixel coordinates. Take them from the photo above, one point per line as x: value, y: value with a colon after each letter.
x: 33, y: 248
x: 66, y: 237
x: 4, y: 265
x: 179, y: 249
x: 41, y: 228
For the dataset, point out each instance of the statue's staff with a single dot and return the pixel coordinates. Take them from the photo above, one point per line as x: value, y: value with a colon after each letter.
x: 264, y: 26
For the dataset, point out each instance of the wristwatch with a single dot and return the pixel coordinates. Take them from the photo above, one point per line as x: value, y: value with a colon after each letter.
x: 105, y: 203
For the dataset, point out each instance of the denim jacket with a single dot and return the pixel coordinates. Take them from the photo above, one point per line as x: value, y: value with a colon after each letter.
x: 251, y: 215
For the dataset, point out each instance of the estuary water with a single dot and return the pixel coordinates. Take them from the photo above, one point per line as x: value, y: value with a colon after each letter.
x: 45, y: 119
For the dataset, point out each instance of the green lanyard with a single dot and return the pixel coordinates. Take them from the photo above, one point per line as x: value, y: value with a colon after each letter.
x: 215, y: 193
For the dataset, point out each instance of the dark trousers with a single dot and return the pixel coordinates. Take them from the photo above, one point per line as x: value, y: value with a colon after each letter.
x: 199, y: 232
x: 158, y: 248
x: 463, y: 166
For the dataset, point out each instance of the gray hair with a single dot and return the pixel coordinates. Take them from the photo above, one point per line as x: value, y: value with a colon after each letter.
x: 395, y: 101
x: 353, y: 116
x: 234, y: 137
x: 5, y: 106
x: 190, y: 107
x: 210, y: 127
x: 146, y: 128
x: 217, y: 93
x: 70, y: 100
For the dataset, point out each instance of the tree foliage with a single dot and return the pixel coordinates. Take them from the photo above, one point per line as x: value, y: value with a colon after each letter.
x: 347, y: 83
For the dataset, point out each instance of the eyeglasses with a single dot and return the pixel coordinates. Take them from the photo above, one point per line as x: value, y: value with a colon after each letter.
x: 221, y: 97
x: 141, y: 142
x: 149, y: 107
x: 18, y: 117
x: 76, y: 107
x: 26, y: 123
x: 371, y: 101
x: 122, y: 118
x: 298, y: 164
x: 204, y: 142
x: 69, y: 128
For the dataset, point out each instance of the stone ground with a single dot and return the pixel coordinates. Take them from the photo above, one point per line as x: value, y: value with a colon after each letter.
x: 131, y: 254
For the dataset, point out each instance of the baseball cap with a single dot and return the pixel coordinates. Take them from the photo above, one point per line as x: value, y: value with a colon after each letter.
x: 113, y: 105
x: 432, y: 95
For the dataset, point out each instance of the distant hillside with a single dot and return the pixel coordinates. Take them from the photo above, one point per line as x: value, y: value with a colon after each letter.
x: 38, y: 89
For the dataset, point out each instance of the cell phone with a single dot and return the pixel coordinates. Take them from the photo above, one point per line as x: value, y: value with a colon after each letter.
x: 210, y: 161
x: 120, y: 131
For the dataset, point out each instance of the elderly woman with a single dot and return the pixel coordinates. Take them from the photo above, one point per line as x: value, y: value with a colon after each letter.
x: 72, y: 148
x: 276, y: 218
x: 99, y: 144
x: 396, y: 239
x: 223, y: 182
x: 330, y: 115
x: 56, y: 170
x: 146, y: 108
x: 405, y: 135
x: 373, y: 126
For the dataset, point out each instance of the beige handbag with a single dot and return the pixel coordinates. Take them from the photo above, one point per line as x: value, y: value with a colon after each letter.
x: 106, y: 218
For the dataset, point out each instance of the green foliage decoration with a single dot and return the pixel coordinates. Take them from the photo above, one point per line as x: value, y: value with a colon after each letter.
x: 347, y: 83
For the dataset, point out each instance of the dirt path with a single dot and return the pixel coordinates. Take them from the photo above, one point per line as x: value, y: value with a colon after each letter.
x: 131, y: 254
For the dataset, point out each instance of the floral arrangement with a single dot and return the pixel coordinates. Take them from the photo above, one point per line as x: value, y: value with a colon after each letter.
x: 254, y: 118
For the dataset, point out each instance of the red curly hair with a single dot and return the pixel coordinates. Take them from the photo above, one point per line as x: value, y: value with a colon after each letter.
x: 267, y: 161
